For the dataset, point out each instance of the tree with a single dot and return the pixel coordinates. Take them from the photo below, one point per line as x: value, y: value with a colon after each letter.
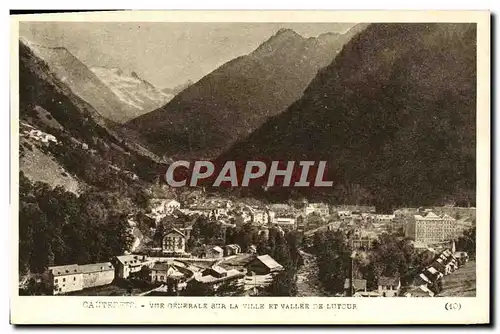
x: 334, y: 260
x: 467, y: 242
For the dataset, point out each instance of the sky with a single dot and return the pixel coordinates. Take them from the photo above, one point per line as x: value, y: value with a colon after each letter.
x: 166, y: 54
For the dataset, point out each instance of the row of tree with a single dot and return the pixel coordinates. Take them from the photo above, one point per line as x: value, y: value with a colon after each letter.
x: 57, y: 227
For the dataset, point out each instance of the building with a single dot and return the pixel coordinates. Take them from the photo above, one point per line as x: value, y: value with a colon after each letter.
x: 321, y: 209
x: 379, y: 218
x: 97, y: 274
x: 234, y: 276
x: 63, y: 279
x: 389, y: 286
x: 431, y: 228
x: 74, y: 277
x: 344, y: 214
x: 163, y: 206
x: 215, y: 252
x: 263, y: 265
x: 358, y: 285
x: 252, y: 249
x: 174, y: 242
x: 163, y: 271
x: 215, y: 271
x: 125, y: 265
x: 232, y: 249
x: 284, y: 222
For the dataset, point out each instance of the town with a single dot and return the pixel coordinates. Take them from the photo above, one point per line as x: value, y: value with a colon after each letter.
x: 208, y: 245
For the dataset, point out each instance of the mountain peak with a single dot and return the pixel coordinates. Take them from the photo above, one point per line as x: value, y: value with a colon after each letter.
x: 287, y: 32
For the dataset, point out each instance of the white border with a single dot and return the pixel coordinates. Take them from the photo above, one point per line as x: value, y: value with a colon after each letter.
x: 400, y: 310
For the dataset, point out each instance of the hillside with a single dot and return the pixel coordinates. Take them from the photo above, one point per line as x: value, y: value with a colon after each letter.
x: 138, y: 94
x: 395, y: 112
x: 83, y: 82
x: 64, y: 140
x: 232, y: 101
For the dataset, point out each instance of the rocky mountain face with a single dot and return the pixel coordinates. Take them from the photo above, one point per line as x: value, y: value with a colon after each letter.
x: 394, y: 114
x: 139, y: 95
x: 232, y: 101
x: 63, y: 139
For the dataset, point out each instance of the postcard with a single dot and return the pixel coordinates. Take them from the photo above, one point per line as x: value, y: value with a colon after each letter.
x: 250, y: 167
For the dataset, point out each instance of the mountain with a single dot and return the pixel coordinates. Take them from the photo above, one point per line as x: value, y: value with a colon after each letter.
x: 394, y: 114
x: 81, y: 80
x: 139, y: 95
x: 177, y: 89
x: 84, y: 150
x: 233, y: 100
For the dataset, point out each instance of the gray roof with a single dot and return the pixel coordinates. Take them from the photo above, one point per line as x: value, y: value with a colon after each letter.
x: 269, y: 262
x: 69, y: 269
x: 96, y: 267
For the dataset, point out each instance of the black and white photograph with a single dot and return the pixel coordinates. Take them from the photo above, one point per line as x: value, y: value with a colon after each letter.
x: 248, y: 159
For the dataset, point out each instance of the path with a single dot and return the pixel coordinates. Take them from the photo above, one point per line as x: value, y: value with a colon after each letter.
x: 308, y: 284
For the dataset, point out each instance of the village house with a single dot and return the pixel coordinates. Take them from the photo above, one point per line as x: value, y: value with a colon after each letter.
x: 63, y: 279
x: 380, y: 218
x: 74, y: 277
x: 125, y: 265
x: 216, y: 276
x: 163, y: 271
x: 344, y: 214
x: 259, y: 217
x: 263, y: 265
x: 174, y: 242
x: 358, y: 285
x: 389, y: 286
x: 163, y: 206
x: 285, y: 222
x: 252, y: 249
x: 97, y: 274
x: 215, y: 271
x: 321, y: 209
x: 232, y: 249
x: 215, y: 252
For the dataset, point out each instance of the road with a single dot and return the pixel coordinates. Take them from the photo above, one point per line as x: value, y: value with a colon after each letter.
x: 307, y: 278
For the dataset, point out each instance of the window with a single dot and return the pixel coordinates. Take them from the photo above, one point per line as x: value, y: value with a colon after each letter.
x: 55, y: 281
x: 161, y: 278
x: 74, y: 278
x: 64, y: 279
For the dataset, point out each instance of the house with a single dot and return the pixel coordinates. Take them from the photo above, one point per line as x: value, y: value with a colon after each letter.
x: 252, y: 249
x: 344, y: 214
x: 215, y: 271
x: 321, y: 209
x: 163, y: 206
x: 389, y: 286
x: 206, y: 277
x: 284, y: 222
x: 380, y: 218
x: 263, y: 265
x: 97, y: 274
x: 125, y: 265
x: 215, y: 252
x: 357, y: 286
x: 163, y: 271
x: 63, y: 279
x: 74, y: 277
x: 232, y: 249
x: 174, y: 242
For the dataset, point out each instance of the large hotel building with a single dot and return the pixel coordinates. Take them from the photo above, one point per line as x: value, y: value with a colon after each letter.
x: 431, y: 228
